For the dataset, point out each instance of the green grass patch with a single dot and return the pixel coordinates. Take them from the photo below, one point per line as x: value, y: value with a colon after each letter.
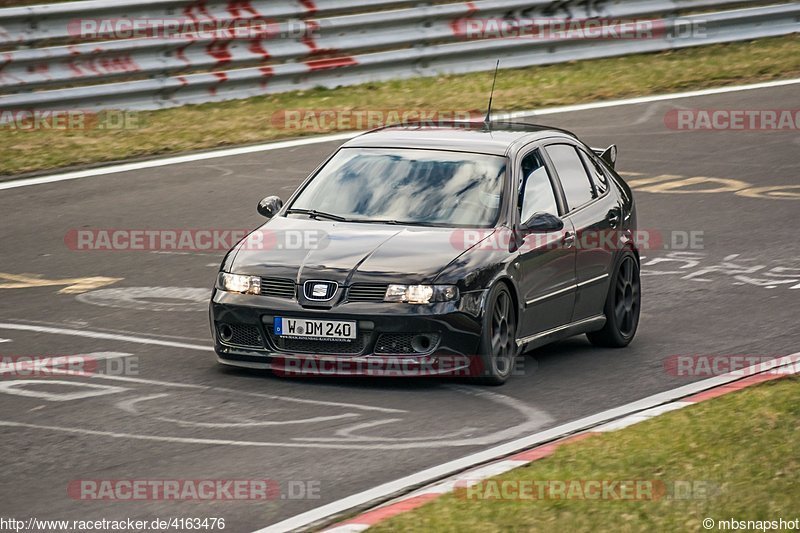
x: 742, y: 446
x: 246, y: 121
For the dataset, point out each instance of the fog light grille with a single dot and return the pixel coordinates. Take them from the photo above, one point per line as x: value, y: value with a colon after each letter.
x: 406, y: 343
x: 240, y: 335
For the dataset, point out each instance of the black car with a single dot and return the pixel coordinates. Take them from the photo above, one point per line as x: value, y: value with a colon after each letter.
x: 446, y: 249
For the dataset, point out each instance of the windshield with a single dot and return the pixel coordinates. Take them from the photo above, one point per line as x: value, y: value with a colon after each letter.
x: 421, y: 187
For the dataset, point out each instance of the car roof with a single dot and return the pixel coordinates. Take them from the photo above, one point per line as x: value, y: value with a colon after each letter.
x: 494, y: 138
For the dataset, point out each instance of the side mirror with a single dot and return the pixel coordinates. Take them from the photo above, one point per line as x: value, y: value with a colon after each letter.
x: 269, y: 206
x: 542, y: 223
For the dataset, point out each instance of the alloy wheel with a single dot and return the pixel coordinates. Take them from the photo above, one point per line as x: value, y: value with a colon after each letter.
x: 503, y: 334
x: 626, y: 303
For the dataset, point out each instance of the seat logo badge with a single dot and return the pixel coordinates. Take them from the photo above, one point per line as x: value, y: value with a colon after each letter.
x: 320, y: 290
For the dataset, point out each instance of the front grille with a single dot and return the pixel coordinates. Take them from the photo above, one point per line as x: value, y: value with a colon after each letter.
x: 401, y: 344
x: 310, y: 346
x: 363, y: 292
x: 278, y: 287
x: 242, y: 335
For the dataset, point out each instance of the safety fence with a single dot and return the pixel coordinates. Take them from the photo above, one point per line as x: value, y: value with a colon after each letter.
x: 127, y: 54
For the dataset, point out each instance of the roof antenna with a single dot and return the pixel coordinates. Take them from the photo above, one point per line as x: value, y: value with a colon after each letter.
x: 488, y: 119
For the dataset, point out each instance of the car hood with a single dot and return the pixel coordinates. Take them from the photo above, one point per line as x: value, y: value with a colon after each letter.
x: 304, y: 249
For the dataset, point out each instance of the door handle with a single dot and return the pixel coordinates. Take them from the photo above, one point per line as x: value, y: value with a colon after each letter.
x: 569, y: 239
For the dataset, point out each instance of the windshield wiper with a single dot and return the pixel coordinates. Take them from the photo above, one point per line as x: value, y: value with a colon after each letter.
x: 313, y: 213
x: 395, y: 222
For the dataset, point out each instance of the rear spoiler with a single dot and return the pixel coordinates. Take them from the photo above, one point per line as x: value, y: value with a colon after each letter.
x: 609, y: 155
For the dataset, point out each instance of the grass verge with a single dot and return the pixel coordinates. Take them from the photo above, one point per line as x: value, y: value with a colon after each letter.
x: 741, y: 448
x: 252, y: 120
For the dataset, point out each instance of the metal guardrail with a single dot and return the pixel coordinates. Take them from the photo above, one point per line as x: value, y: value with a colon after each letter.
x: 49, y: 64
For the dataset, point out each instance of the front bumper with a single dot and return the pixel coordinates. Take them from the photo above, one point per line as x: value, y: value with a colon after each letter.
x: 455, y: 328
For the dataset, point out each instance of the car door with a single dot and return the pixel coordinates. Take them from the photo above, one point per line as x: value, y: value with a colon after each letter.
x: 594, y: 213
x: 547, y: 264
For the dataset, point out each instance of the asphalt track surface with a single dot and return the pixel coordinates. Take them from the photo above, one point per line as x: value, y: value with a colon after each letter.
x: 175, y: 414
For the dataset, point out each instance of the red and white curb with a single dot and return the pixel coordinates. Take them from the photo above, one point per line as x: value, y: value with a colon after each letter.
x: 464, y: 472
x: 471, y: 477
x: 466, y: 479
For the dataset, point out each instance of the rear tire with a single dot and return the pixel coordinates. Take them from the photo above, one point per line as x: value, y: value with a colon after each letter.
x: 622, y: 306
x: 498, y: 347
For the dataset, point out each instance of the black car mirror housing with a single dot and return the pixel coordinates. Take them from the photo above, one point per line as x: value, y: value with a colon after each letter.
x: 542, y: 223
x: 269, y: 206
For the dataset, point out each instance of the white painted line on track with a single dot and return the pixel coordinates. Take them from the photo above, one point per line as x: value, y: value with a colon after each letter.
x: 349, y: 528
x: 18, y: 388
x: 83, y: 324
x: 281, y: 145
x: 641, y: 416
x: 387, y: 490
x: 191, y: 440
x: 101, y: 335
x: 646, y: 99
x: 264, y: 395
x: 188, y: 158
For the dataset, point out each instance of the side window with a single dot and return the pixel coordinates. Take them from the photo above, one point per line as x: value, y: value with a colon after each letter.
x: 598, y: 176
x: 576, y: 184
x: 536, y: 190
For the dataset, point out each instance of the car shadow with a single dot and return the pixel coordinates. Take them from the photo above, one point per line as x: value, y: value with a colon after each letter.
x: 578, y: 350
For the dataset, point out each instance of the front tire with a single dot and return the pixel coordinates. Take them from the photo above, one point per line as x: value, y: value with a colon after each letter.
x: 498, y: 347
x: 622, y: 306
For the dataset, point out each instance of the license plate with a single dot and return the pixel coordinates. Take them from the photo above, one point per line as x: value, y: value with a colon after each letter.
x: 303, y: 328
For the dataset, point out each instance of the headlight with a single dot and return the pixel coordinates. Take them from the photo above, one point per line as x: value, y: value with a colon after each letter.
x: 421, y: 294
x: 238, y: 283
